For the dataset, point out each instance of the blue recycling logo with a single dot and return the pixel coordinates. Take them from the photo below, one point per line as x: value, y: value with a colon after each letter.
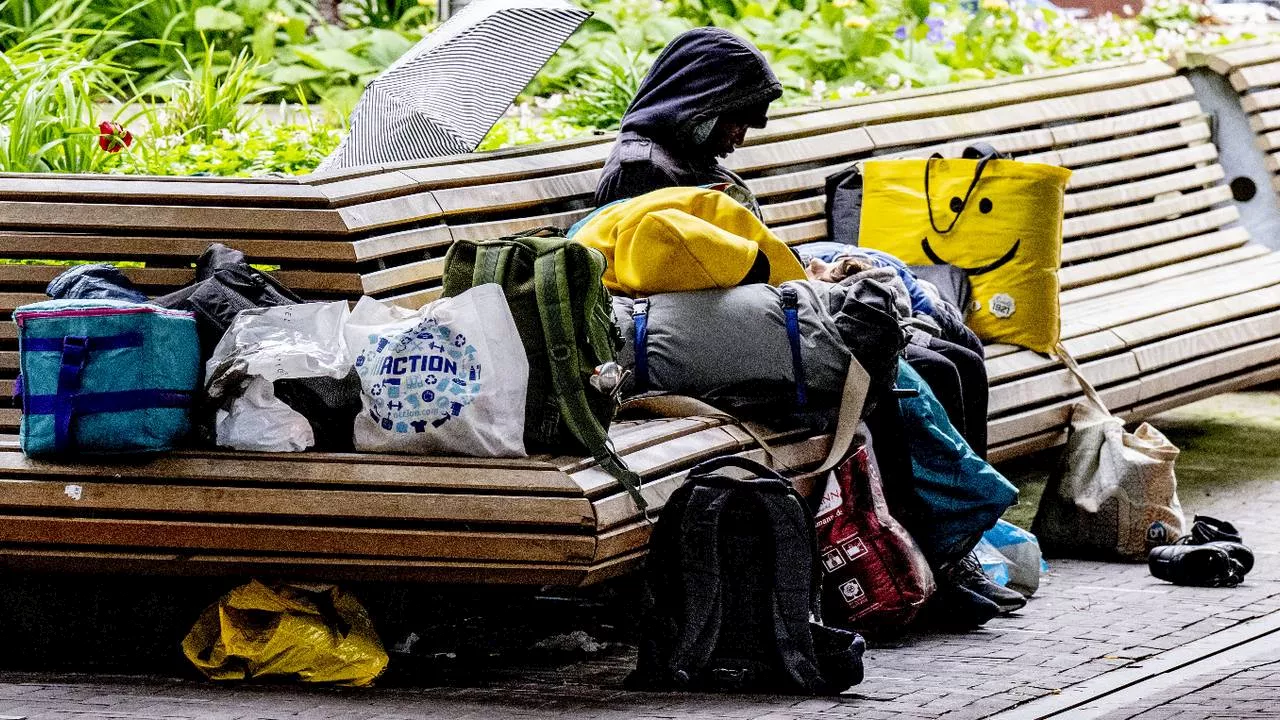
x: 419, y: 378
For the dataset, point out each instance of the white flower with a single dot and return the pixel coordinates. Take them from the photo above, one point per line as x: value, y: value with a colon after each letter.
x: 893, y: 82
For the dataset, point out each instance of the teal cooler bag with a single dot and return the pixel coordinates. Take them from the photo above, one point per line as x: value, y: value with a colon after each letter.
x: 105, y: 376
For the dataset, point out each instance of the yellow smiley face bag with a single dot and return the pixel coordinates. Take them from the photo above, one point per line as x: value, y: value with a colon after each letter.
x: 998, y: 220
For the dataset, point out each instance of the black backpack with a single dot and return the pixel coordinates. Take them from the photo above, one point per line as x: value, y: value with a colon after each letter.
x: 731, y: 590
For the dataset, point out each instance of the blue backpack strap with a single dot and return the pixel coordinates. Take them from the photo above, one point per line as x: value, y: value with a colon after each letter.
x: 640, y: 316
x: 791, y: 311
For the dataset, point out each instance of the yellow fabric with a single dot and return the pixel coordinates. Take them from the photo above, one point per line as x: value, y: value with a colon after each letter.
x: 1008, y: 237
x: 683, y: 238
x: 286, y: 632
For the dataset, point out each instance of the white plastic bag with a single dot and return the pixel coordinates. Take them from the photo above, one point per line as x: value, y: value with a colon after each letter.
x: 258, y: 421
x: 268, y: 344
x: 449, y: 378
x: 289, y: 341
x: 1113, y: 488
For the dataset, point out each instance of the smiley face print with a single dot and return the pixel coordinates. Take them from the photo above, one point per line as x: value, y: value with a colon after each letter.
x: 1000, y: 222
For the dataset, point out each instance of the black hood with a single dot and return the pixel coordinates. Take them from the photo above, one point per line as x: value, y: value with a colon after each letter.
x: 702, y: 74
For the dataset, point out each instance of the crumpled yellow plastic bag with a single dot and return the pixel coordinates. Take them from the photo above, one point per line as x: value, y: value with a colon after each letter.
x: 310, y: 633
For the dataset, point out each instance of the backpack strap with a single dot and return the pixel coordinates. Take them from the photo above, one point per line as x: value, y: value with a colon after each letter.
x: 640, y: 316
x: 796, y: 586
x: 551, y: 287
x: 791, y: 311
x: 700, y: 572
x: 492, y: 260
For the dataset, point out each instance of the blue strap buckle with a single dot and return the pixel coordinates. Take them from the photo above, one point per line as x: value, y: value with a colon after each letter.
x: 791, y: 311
x: 640, y: 316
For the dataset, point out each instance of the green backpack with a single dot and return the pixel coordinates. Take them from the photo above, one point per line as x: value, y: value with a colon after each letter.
x: 565, y: 318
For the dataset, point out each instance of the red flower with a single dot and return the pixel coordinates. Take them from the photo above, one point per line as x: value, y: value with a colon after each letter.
x: 112, y: 137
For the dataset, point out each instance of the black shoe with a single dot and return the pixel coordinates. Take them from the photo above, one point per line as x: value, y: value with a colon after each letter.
x: 1205, y: 529
x: 957, y: 608
x: 1197, y: 565
x: 967, y: 573
x: 1237, y: 552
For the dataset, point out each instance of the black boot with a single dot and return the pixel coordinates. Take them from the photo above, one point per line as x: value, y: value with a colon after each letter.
x: 967, y: 573
x: 956, y: 609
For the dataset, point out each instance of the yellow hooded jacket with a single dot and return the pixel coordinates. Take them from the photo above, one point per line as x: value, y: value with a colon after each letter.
x: 683, y: 238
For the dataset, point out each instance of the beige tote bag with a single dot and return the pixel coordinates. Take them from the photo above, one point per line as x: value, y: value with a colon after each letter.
x: 1114, y: 488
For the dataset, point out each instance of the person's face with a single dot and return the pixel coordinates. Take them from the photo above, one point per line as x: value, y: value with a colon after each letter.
x: 727, y: 136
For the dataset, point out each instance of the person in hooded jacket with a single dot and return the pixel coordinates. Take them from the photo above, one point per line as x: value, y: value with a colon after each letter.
x: 701, y: 95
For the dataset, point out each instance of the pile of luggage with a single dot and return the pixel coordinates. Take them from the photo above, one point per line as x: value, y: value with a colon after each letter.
x: 677, y: 302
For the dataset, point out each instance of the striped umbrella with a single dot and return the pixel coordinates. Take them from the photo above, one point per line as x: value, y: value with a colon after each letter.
x: 442, y: 96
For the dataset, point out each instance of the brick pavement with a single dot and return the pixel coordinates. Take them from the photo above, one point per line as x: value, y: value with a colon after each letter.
x: 1088, y: 619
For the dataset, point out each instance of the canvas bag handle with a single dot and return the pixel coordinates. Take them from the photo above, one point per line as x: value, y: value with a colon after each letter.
x: 852, y: 400
x: 1090, y: 392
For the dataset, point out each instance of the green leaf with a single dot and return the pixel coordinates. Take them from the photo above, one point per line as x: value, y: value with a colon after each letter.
x: 385, y: 47
x: 296, y: 28
x: 918, y: 8
x: 215, y: 19
x: 294, y: 74
x: 334, y: 59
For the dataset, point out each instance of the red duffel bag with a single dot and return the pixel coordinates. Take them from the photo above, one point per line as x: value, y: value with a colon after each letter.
x: 875, y: 577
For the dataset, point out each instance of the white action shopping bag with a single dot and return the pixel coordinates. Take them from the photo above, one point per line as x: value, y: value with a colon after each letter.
x: 447, y: 379
x: 1114, y: 489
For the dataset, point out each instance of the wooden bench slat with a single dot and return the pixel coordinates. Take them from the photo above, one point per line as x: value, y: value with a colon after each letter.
x: 1100, y: 289
x: 164, y: 218
x: 1265, y: 121
x: 1148, y: 235
x: 307, y: 471
x: 1038, y: 139
x: 1261, y: 100
x: 1186, y: 156
x: 1228, y: 59
x: 1131, y: 192
x: 1098, y: 223
x: 1069, y: 107
x: 953, y: 104
x: 1150, y: 258
x: 185, y: 191
x: 241, y: 537
x: 161, y: 280
x: 40, y: 559
x: 52, y: 246
x: 1255, y: 76
x: 26, y: 494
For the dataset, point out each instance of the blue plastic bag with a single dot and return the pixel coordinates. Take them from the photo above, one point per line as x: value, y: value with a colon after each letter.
x: 1021, y: 553
x: 961, y: 494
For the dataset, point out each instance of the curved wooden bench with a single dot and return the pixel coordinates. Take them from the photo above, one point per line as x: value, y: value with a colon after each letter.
x: 1165, y: 300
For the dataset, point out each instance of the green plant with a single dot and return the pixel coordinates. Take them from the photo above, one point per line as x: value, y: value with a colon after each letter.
x: 389, y: 14
x: 49, y: 97
x: 211, y: 99
x: 607, y: 89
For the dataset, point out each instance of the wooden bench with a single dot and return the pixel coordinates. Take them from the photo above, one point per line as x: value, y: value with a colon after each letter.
x: 1165, y: 301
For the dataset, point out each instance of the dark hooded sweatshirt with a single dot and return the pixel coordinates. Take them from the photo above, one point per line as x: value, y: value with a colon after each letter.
x: 700, y: 76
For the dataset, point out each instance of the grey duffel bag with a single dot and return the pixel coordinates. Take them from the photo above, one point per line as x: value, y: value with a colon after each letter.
x: 759, y: 349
